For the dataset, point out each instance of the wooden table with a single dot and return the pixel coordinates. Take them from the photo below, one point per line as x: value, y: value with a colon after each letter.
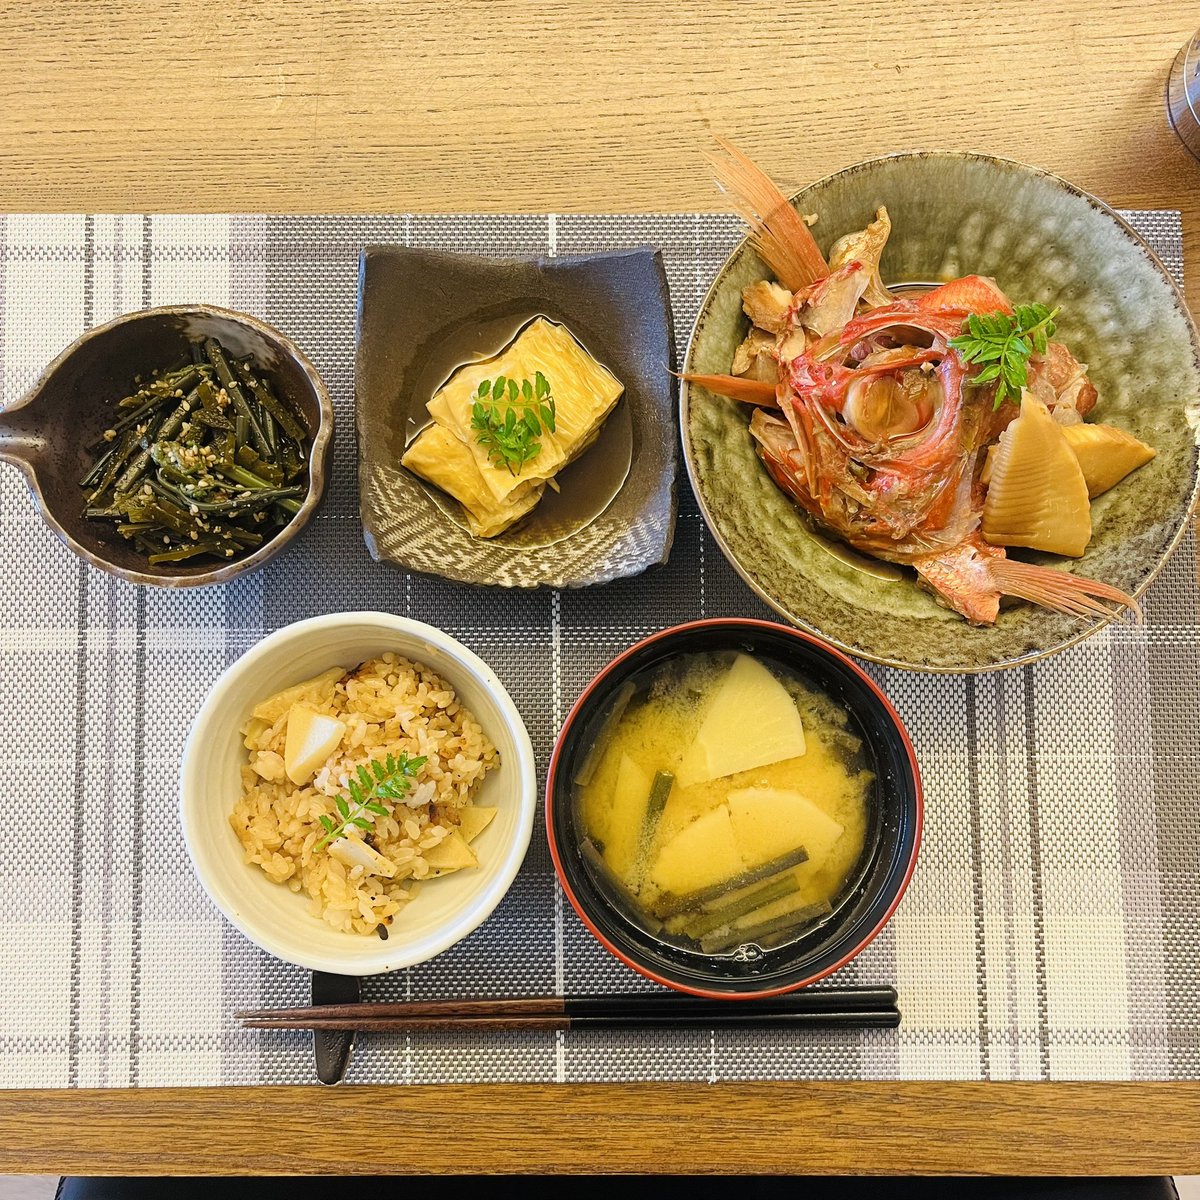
x: 294, y: 105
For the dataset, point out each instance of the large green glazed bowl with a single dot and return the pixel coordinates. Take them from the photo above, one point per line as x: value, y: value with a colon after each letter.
x: 1043, y: 240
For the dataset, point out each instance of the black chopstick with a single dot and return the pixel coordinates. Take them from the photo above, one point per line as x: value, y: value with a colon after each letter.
x: 828, y: 1006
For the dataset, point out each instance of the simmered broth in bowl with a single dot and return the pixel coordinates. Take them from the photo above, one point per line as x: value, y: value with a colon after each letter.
x: 725, y: 802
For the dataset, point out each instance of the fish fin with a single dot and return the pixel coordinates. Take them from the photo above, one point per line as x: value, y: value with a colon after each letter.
x: 750, y: 391
x: 961, y: 577
x: 777, y: 230
x: 1061, y: 591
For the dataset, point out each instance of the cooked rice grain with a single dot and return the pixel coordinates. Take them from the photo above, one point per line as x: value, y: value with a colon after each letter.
x: 390, y: 705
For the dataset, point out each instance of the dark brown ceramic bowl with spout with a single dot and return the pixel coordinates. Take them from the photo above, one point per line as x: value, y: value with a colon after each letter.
x: 46, y: 433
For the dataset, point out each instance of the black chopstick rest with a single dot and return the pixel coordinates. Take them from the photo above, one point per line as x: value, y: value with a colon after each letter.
x: 332, y: 1048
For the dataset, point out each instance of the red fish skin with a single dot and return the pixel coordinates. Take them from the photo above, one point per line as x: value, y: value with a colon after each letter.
x: 944, y: 323
x: 970, y: 294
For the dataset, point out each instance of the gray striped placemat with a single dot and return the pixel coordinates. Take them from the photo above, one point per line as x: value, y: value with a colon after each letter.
x: 1050, y: 928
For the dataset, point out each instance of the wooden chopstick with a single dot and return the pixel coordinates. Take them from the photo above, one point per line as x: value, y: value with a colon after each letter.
x: 858, y: 1018
x: 846, y: 1006
x: 648, y: 1003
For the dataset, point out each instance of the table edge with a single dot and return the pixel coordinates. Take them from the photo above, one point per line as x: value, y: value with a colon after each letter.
x: 909, y: 1127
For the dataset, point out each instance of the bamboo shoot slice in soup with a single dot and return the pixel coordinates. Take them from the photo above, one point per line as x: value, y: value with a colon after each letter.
x: 727, y: 792
x: 750, y: 700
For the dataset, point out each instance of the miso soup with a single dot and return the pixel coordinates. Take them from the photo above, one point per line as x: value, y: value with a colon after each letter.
x: 725, y: 802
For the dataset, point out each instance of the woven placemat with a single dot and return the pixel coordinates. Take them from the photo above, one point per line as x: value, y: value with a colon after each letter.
x: 1049, y: 931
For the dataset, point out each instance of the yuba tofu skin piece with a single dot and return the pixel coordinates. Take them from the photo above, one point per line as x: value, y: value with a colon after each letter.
x: 701, y: 856
x: 751, y: 722
x: 769, y: 823
x: 584, y: 394
x: 310, y: 739
x: 627, y: 816
x: 441, y: 459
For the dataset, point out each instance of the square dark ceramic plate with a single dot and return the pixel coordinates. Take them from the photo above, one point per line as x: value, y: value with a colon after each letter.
x: 422, y: 313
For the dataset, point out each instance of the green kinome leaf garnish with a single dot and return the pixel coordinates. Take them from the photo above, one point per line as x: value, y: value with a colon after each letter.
x: 509, y: 417
x: 1003, y: 344
x: 390, y: 779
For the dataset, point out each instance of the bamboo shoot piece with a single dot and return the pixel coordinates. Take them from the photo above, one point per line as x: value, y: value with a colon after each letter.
x: 1038, y: 497
x: 450, y: 854
x: 311, y: 738
x: 756, y: 833
x: 354, y: 852
x: 317, y: 691
x: 1105, y: 454
x: 699, y: 862
x: 751, y: 700
x: 622, y: 832
x: 473, y: 820
x: 768, y: 823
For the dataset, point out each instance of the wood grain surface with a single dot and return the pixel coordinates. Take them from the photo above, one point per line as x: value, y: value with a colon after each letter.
x: 817, y: 1128
x: 510, y: 105
x: 566, y: 105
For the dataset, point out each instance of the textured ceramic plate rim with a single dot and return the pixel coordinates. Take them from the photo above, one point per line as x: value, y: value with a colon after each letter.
x: 665, y: 487
x: 1185, y: 517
